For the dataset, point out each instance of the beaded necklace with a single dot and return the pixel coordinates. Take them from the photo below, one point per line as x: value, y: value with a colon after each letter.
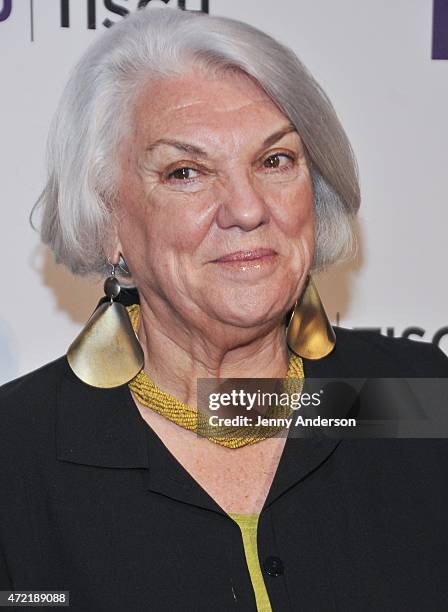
x: 150, y: 395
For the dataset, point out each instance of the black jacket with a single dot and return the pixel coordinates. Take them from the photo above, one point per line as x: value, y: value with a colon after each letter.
x: 91, y: 501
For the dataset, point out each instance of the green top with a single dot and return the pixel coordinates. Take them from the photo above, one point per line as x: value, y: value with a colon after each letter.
x: 248, y: 524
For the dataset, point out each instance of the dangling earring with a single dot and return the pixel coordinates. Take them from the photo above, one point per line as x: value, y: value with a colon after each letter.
x: 309, y: 333
x: 107, y: 352
x: 123, y: 265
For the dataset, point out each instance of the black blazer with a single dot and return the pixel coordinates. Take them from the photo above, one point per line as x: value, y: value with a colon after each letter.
x: 91, y: 501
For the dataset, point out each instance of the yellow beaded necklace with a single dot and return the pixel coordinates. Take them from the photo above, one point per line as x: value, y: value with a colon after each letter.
x: 151, y: 396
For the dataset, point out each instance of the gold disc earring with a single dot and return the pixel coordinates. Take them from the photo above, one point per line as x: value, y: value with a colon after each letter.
x: 107, y: 352
x: 309, y: 333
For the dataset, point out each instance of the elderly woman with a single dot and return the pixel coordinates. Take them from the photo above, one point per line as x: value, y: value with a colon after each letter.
x: 195, y: 159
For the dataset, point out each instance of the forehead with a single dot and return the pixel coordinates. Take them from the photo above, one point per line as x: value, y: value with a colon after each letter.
x: 199, y: 101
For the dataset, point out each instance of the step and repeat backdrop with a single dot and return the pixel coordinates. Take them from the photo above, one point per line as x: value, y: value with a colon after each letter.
x: 383, y: 63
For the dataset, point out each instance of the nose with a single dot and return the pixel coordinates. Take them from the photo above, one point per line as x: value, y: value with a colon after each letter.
x: 242, y: 204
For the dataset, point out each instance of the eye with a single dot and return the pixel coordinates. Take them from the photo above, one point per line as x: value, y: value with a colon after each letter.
x: 278, y: 160
x: 183, y: 174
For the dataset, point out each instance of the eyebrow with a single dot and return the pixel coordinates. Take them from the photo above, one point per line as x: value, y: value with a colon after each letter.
x: 273, y: 138
x: 194, y: 150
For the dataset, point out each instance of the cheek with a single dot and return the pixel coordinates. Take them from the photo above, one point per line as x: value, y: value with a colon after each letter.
x: 294, y: 211
x: 155, y: 224
x: 177, y: 225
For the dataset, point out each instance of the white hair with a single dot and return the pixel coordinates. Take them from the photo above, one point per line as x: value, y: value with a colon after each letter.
x: 93, y: 117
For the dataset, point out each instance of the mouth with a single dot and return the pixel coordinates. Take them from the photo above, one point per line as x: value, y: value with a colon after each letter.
x: 250, y: 264
x: 241, y: 257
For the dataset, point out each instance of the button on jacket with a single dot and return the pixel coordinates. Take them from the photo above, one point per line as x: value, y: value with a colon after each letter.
x: 91, y: 501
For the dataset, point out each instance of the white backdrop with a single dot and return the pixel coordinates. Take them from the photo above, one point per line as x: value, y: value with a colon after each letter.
x: 374, y: 60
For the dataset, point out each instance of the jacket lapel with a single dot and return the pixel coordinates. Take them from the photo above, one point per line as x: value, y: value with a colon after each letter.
x: 103, y: 427
x: 301, y: 456
x: 98, y: 426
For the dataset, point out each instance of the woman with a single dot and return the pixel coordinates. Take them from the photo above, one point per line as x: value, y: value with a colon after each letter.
x: 195, y: 158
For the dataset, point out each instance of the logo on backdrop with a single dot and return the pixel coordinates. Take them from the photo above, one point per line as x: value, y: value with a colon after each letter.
x: 5, y: 9
x: 118, y: 9
x: 413, y: 332
x: 440, y: 30
x: 114, y: 7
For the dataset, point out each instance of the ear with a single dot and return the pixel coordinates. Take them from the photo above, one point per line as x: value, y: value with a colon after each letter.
x: 113, y: 247
x: 114, y: 252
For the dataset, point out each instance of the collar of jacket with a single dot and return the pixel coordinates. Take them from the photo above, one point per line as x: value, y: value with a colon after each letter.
x: 104, y: 428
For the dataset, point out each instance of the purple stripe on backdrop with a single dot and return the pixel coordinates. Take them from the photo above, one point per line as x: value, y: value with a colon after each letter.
x: 440, y: 30
x: 5, y: 10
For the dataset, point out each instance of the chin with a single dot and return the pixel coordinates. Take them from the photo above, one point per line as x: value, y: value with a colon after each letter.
x: 251, y: 310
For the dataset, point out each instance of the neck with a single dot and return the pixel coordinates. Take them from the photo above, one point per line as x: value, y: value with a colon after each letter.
x: 176, y: 355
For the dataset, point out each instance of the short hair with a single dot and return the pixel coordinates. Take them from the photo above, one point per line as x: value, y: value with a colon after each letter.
x: 93, y: 117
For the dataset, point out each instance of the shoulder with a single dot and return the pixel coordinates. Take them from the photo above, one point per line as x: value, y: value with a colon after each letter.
x: 368, y: 352
x: 27, y: 403
x: 34, y: 384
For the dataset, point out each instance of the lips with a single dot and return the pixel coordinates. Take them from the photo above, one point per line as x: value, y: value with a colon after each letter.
x: 242, y: 256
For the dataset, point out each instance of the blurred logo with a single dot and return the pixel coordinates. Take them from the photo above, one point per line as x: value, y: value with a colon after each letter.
x: 118, y: 8
x: 5, y: 9
x: 413, y: 332
x: 440, y: 30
